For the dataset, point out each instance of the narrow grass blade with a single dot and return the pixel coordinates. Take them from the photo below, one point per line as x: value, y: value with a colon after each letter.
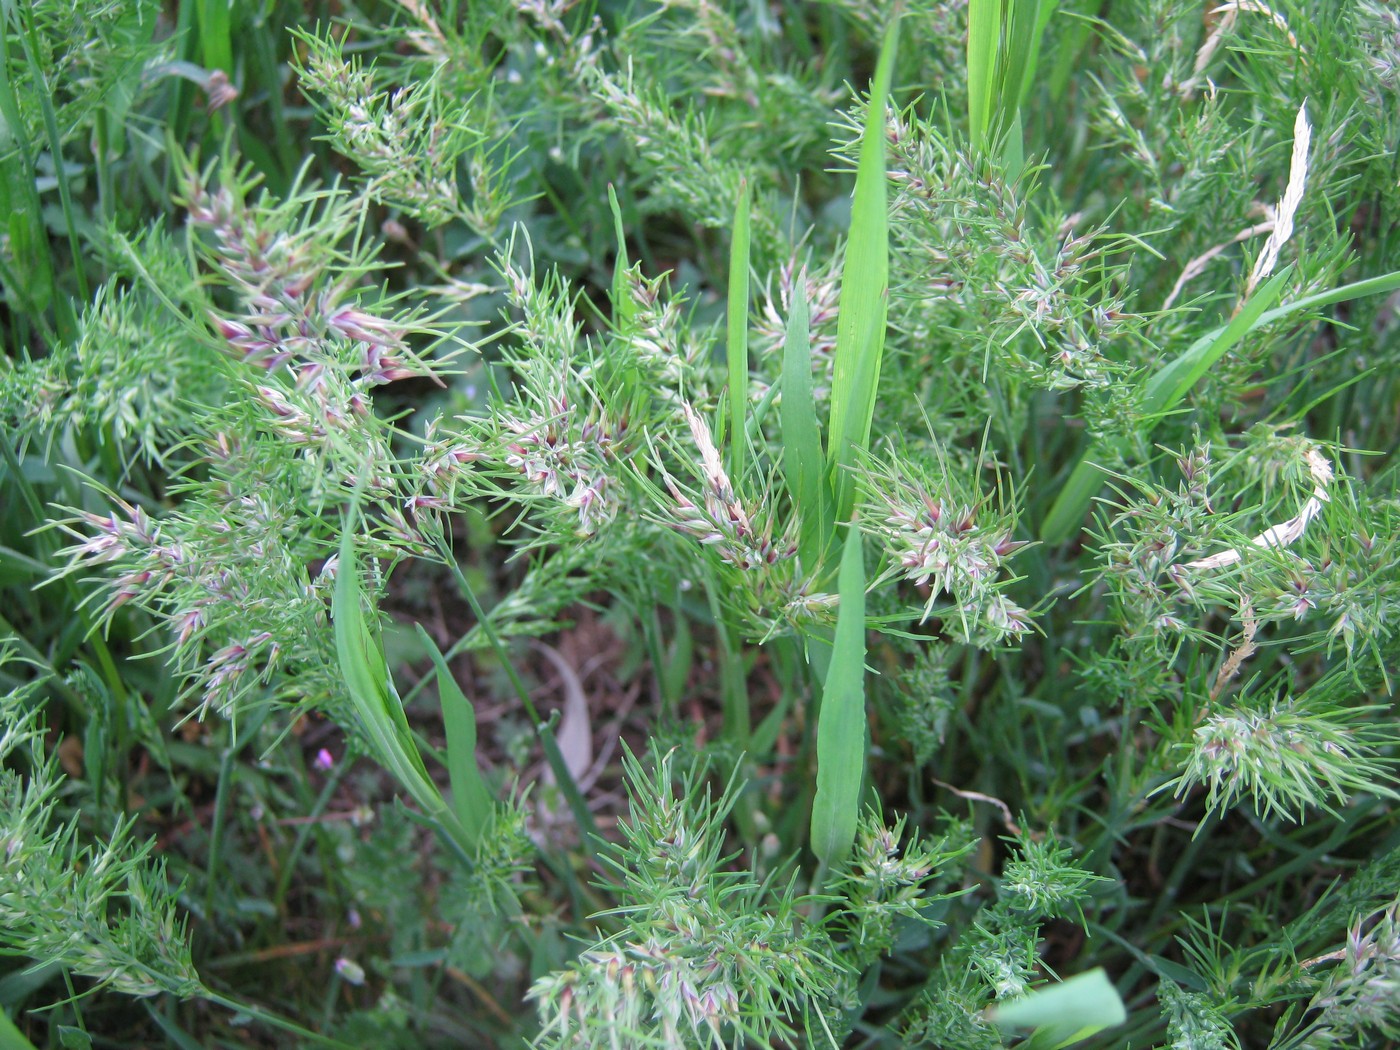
x: 29, y: 41
x: 372, y: 694
x: 1036, y: 19
x: 578, y: 806
x: 1169, y: 385
x: 1021, y: 51
x: 1025, y: 22
x: 1065, y: 1013
x: 1075, y: 36
x: 624, y: 309
x: 734, y: 686
x: 841, y: 721
x: 178, y: 1037
x: 11, y: 1038
x: 305, y: 1037
x: 19, y: 199
x: 983, y: 39
x: 1003, y: 50
x: 363, y: 666
x: 1386, y: 282
x: 739, y: 336
x: 803, y: 467
x: 216, y: 35
x: 471, y: 800
x: 860, y: 330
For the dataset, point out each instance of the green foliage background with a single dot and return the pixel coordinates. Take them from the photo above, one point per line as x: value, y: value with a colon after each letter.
x: 871, y: 560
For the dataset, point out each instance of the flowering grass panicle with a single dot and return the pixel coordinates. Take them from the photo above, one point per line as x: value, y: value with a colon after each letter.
x: 609, y: 325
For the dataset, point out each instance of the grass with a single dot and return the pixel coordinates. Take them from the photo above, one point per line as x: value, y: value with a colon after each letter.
x: 841, y: 729
x: 698, y: 524
x: 860, y: 338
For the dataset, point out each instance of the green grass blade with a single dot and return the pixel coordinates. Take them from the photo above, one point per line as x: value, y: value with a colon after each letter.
x: 1162, y: 392
x: 624, y: 309
x: 983, y: 39
x: 860, y: 331
x: 216, y: 35
x: 1015, y: 68
x: 739, y: 335
x: 1387, y: 282
x: 305, y: 1036
x: 471, y: 800
x: 372, y: 693
x: 578, y: 806
x: 1170, y: 384
x: 1075, y: 495
x: 1066, y: 1012
x: 1074, y: 37
x: 19, y: 198
x: 841, y: 722
x: 178, y: 1038
x: 1044, y: 10
x: 363, y: 666
x: 803, y: 467
x: 1022, y: 50
x: 1003, y: 50
x: 29, y: 41
x: 11, y: 1038
x: 734, y: 686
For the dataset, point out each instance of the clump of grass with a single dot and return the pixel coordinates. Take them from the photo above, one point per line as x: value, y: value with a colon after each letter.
x: 932, y: 440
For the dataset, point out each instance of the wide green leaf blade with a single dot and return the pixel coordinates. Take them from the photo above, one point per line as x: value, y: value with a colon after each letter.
x: 841, y: 720
x: 471, y: 799
x: 983, y: 39
x: 1066, y: 1012
x: 860, y: 326
x: 803, y: 466
x: 11, y: 1038
x: 372, y: 694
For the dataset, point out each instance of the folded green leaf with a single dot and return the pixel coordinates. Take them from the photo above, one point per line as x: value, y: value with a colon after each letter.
x: 624, y: 309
